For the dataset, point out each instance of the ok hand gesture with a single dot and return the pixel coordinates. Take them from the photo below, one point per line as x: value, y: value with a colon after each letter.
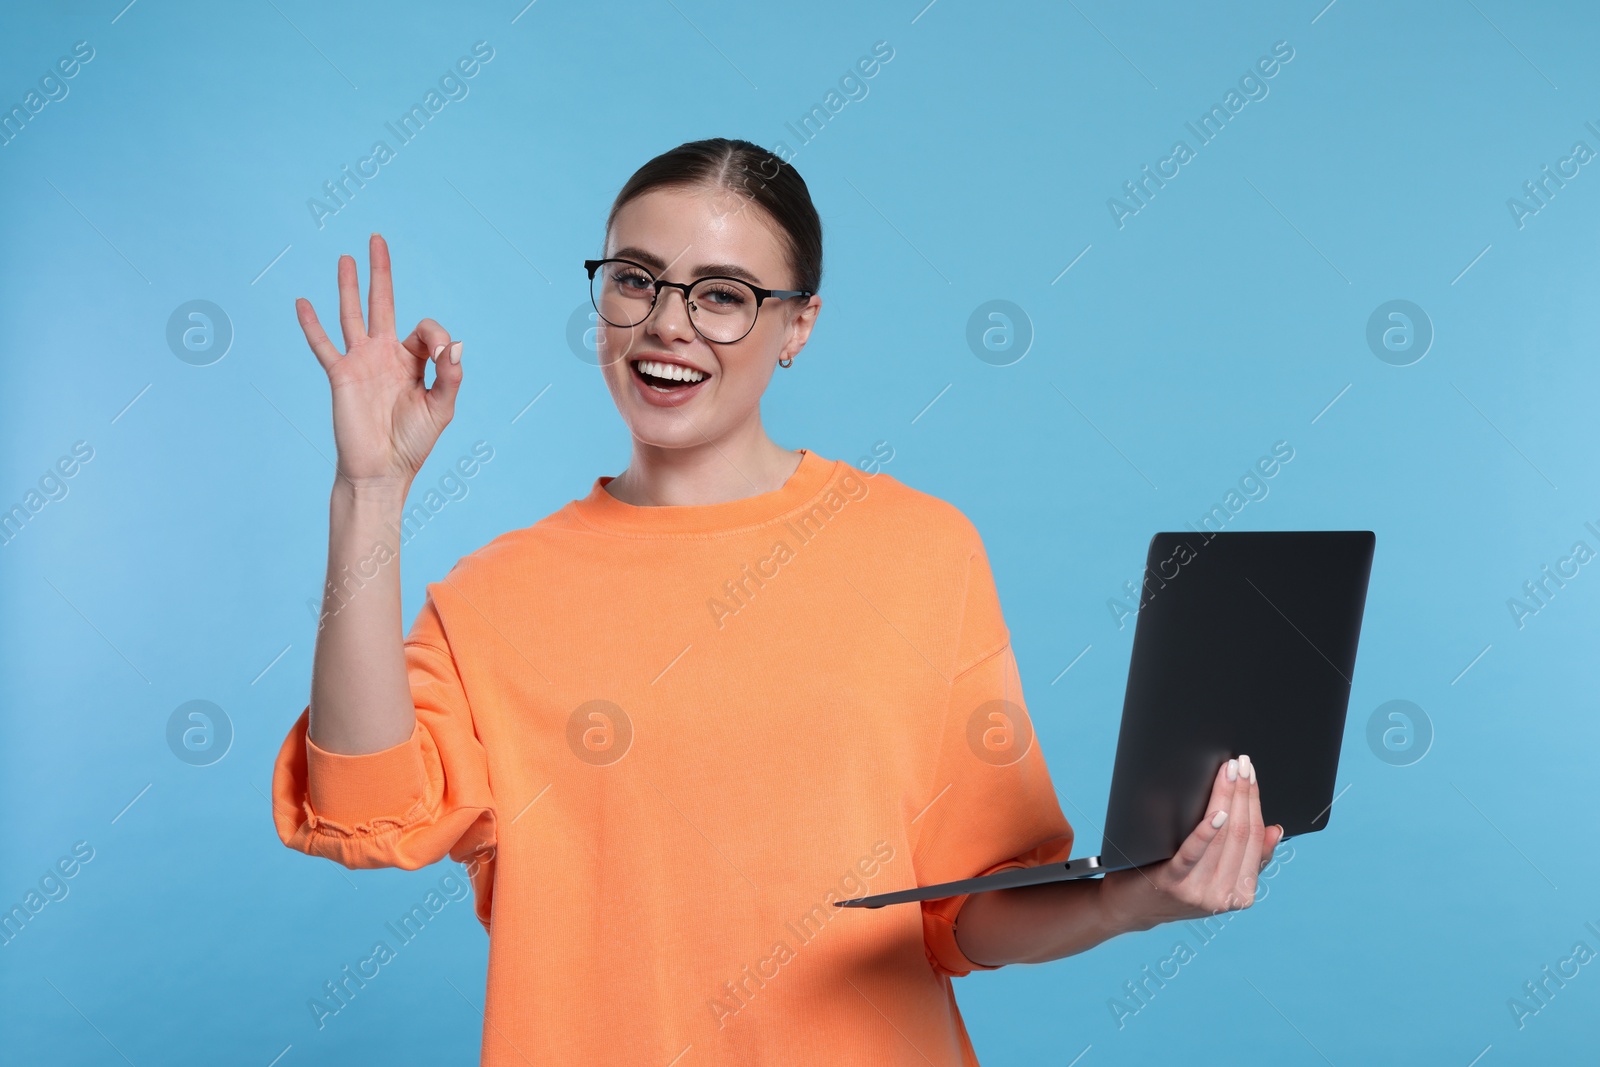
x: 385, y: 421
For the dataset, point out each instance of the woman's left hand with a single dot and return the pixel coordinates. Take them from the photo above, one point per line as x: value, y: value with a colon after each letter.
x: 1216, y: 868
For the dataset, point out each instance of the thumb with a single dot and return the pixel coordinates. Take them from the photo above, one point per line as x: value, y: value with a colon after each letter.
x: 441, y: 395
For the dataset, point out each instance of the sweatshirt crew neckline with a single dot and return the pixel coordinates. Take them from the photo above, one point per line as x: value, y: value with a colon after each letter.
x: 603, y: 511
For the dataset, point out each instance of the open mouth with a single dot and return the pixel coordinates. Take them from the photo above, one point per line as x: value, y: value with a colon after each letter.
x: 666, y: 377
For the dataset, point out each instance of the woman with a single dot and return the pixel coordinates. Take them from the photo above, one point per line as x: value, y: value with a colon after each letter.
x: 667, y: 726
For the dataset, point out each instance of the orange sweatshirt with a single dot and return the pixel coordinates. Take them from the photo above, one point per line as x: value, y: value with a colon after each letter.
x: 665, y: 740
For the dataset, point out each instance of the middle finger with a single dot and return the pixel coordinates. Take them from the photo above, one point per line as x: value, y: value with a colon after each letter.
x: 380, y: 289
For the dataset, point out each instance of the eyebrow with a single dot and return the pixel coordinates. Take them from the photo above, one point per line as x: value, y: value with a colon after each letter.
x: 657, y: 264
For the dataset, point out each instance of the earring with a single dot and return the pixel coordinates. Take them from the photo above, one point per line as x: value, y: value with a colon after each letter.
x: 786, y: 362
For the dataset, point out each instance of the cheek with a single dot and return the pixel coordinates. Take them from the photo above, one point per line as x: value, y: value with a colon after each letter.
x: 616, y: 376
x: 744, y: 380
x: 611, y: 346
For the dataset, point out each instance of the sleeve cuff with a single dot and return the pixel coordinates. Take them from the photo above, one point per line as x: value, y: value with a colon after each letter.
x: 354, y: 789
x: 939, y: 931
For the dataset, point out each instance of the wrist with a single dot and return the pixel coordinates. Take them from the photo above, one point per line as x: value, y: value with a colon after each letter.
x: 1120, y: 910
x: 356, y: 507
x: 378, y: 490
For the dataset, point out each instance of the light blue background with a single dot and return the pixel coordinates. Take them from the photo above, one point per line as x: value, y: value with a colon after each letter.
x: 1225, y: 316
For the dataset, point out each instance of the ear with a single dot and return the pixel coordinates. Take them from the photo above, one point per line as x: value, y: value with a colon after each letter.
x: 800, y: 325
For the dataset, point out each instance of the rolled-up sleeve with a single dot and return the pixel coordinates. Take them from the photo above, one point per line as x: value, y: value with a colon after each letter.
x: 996, y: 807
x: 408, y: 805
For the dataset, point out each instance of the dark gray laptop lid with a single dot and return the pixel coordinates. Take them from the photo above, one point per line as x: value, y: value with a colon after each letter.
x: 1245, y: 642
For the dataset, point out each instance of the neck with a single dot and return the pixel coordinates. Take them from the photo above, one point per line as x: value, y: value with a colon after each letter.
x: 709, y: 473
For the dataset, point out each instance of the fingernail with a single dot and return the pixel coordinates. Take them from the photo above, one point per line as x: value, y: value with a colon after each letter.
x: 1252, y: 774
x: 1219, y: 818
x: 455, y: 352
x: 437, y: 350
x: 1244, y: 765
x: 1233, y: 769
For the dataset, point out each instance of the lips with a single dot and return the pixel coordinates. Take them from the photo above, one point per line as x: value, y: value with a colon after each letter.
x: 664, y: 382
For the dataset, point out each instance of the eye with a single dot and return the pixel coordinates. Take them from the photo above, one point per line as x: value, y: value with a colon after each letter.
x: 723, y: 295
x: 631, y: 278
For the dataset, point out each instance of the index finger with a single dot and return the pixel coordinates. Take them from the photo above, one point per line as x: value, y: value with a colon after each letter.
x: 1250, y: 864
x: 1241, y: 841
x: 380, y: 291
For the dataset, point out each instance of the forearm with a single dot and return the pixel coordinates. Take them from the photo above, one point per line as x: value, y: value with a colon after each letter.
x: 360, y: 696
x: 1035, y: 924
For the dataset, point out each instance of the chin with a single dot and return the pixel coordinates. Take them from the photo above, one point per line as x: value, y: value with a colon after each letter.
x: 647, y: 432
x: 672, y: 431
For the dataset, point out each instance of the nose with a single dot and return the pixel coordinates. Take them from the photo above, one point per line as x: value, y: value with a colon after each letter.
x: 668, y: 319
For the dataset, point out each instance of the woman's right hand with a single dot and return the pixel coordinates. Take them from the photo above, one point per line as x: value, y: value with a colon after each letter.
x: 385, y: 421
x: 1214, y: 870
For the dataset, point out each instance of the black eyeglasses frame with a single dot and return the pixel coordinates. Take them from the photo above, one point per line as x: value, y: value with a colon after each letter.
x: 592, y: 265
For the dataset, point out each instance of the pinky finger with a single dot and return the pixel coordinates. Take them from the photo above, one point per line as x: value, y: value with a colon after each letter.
x: 316, y: 337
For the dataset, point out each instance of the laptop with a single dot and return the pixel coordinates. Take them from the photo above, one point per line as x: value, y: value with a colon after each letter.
x: 1245, y: 642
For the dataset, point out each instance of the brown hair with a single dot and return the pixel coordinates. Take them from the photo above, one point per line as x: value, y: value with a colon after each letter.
x: 748, y: 169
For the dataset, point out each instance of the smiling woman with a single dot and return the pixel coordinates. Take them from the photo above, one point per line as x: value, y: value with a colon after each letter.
x: 745, y: 224
x: 638, y: 867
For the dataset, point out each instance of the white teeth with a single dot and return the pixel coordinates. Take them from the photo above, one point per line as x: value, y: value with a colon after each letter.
x: 670, y: 370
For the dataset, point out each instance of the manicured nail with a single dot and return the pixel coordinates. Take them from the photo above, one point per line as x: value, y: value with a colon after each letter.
x: 1233, y: 769
x: 1244, y: 765
x: 1219, y: 818
x: 455, y: 352
x: 437, y: 350
x: 1252, y: 774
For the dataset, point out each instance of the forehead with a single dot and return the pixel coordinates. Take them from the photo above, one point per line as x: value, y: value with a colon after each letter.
x: 685, y: 229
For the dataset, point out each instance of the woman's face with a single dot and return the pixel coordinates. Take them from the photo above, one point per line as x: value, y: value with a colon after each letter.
x: 681, y: 234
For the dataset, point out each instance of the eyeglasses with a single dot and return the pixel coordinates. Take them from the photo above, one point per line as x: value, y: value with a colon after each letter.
x: 722, y: 310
